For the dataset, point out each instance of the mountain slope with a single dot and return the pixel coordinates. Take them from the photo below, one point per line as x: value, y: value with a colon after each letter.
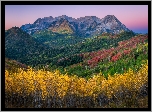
x: 39, y: 24
x: 113, y: 25
x: 62, y: 26
x: 130, y: 53
x: 22, y: 47
x: 56, y: 40
x: 13, y: 65
x: 48, y: 47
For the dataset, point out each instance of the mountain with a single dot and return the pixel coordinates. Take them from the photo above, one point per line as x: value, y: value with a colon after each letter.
x: 22, y: 47
x: 83, y: 27
x: 39, y: 24
x: 113, y: 25
x: 87, y: 26
x: 61, y: 26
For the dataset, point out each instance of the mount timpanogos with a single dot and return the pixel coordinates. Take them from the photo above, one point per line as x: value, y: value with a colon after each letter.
x: 84, y: 26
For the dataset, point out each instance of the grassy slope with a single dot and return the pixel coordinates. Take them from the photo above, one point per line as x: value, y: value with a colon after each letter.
x: 101, y: 61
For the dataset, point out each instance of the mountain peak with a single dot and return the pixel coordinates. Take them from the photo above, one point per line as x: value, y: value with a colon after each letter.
x: 14, y: 29
x: 70, y: 19
x: 88, y: 25
x: 61, y: 26
x: 110, y: 18
x: 62, y: 17
x: 16, y: 32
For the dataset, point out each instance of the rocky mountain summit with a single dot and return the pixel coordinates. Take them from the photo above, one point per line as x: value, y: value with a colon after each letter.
x: 84, y: 26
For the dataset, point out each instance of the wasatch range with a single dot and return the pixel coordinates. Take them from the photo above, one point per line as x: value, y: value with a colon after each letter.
x: 84, y: 26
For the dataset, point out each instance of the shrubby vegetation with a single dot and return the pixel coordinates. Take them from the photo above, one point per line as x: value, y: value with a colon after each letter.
x: 52, y: 89
x: 48, y: 47
x: 108, y: 61
x: 61, y: 70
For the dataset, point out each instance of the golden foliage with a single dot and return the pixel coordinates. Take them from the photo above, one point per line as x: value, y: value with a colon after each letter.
x: 56, y: 84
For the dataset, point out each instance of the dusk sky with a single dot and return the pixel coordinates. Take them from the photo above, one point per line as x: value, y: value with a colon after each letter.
x: 134, y: 17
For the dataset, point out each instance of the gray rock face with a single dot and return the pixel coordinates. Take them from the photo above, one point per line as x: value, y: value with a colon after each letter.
x: 113, y: 25
x: 84, y: 26
x: 38, y: 25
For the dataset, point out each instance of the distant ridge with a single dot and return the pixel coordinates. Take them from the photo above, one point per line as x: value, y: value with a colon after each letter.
x: 84, y: 26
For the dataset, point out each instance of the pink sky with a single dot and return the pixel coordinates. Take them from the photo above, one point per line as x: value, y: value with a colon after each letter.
x: 134, y: 17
